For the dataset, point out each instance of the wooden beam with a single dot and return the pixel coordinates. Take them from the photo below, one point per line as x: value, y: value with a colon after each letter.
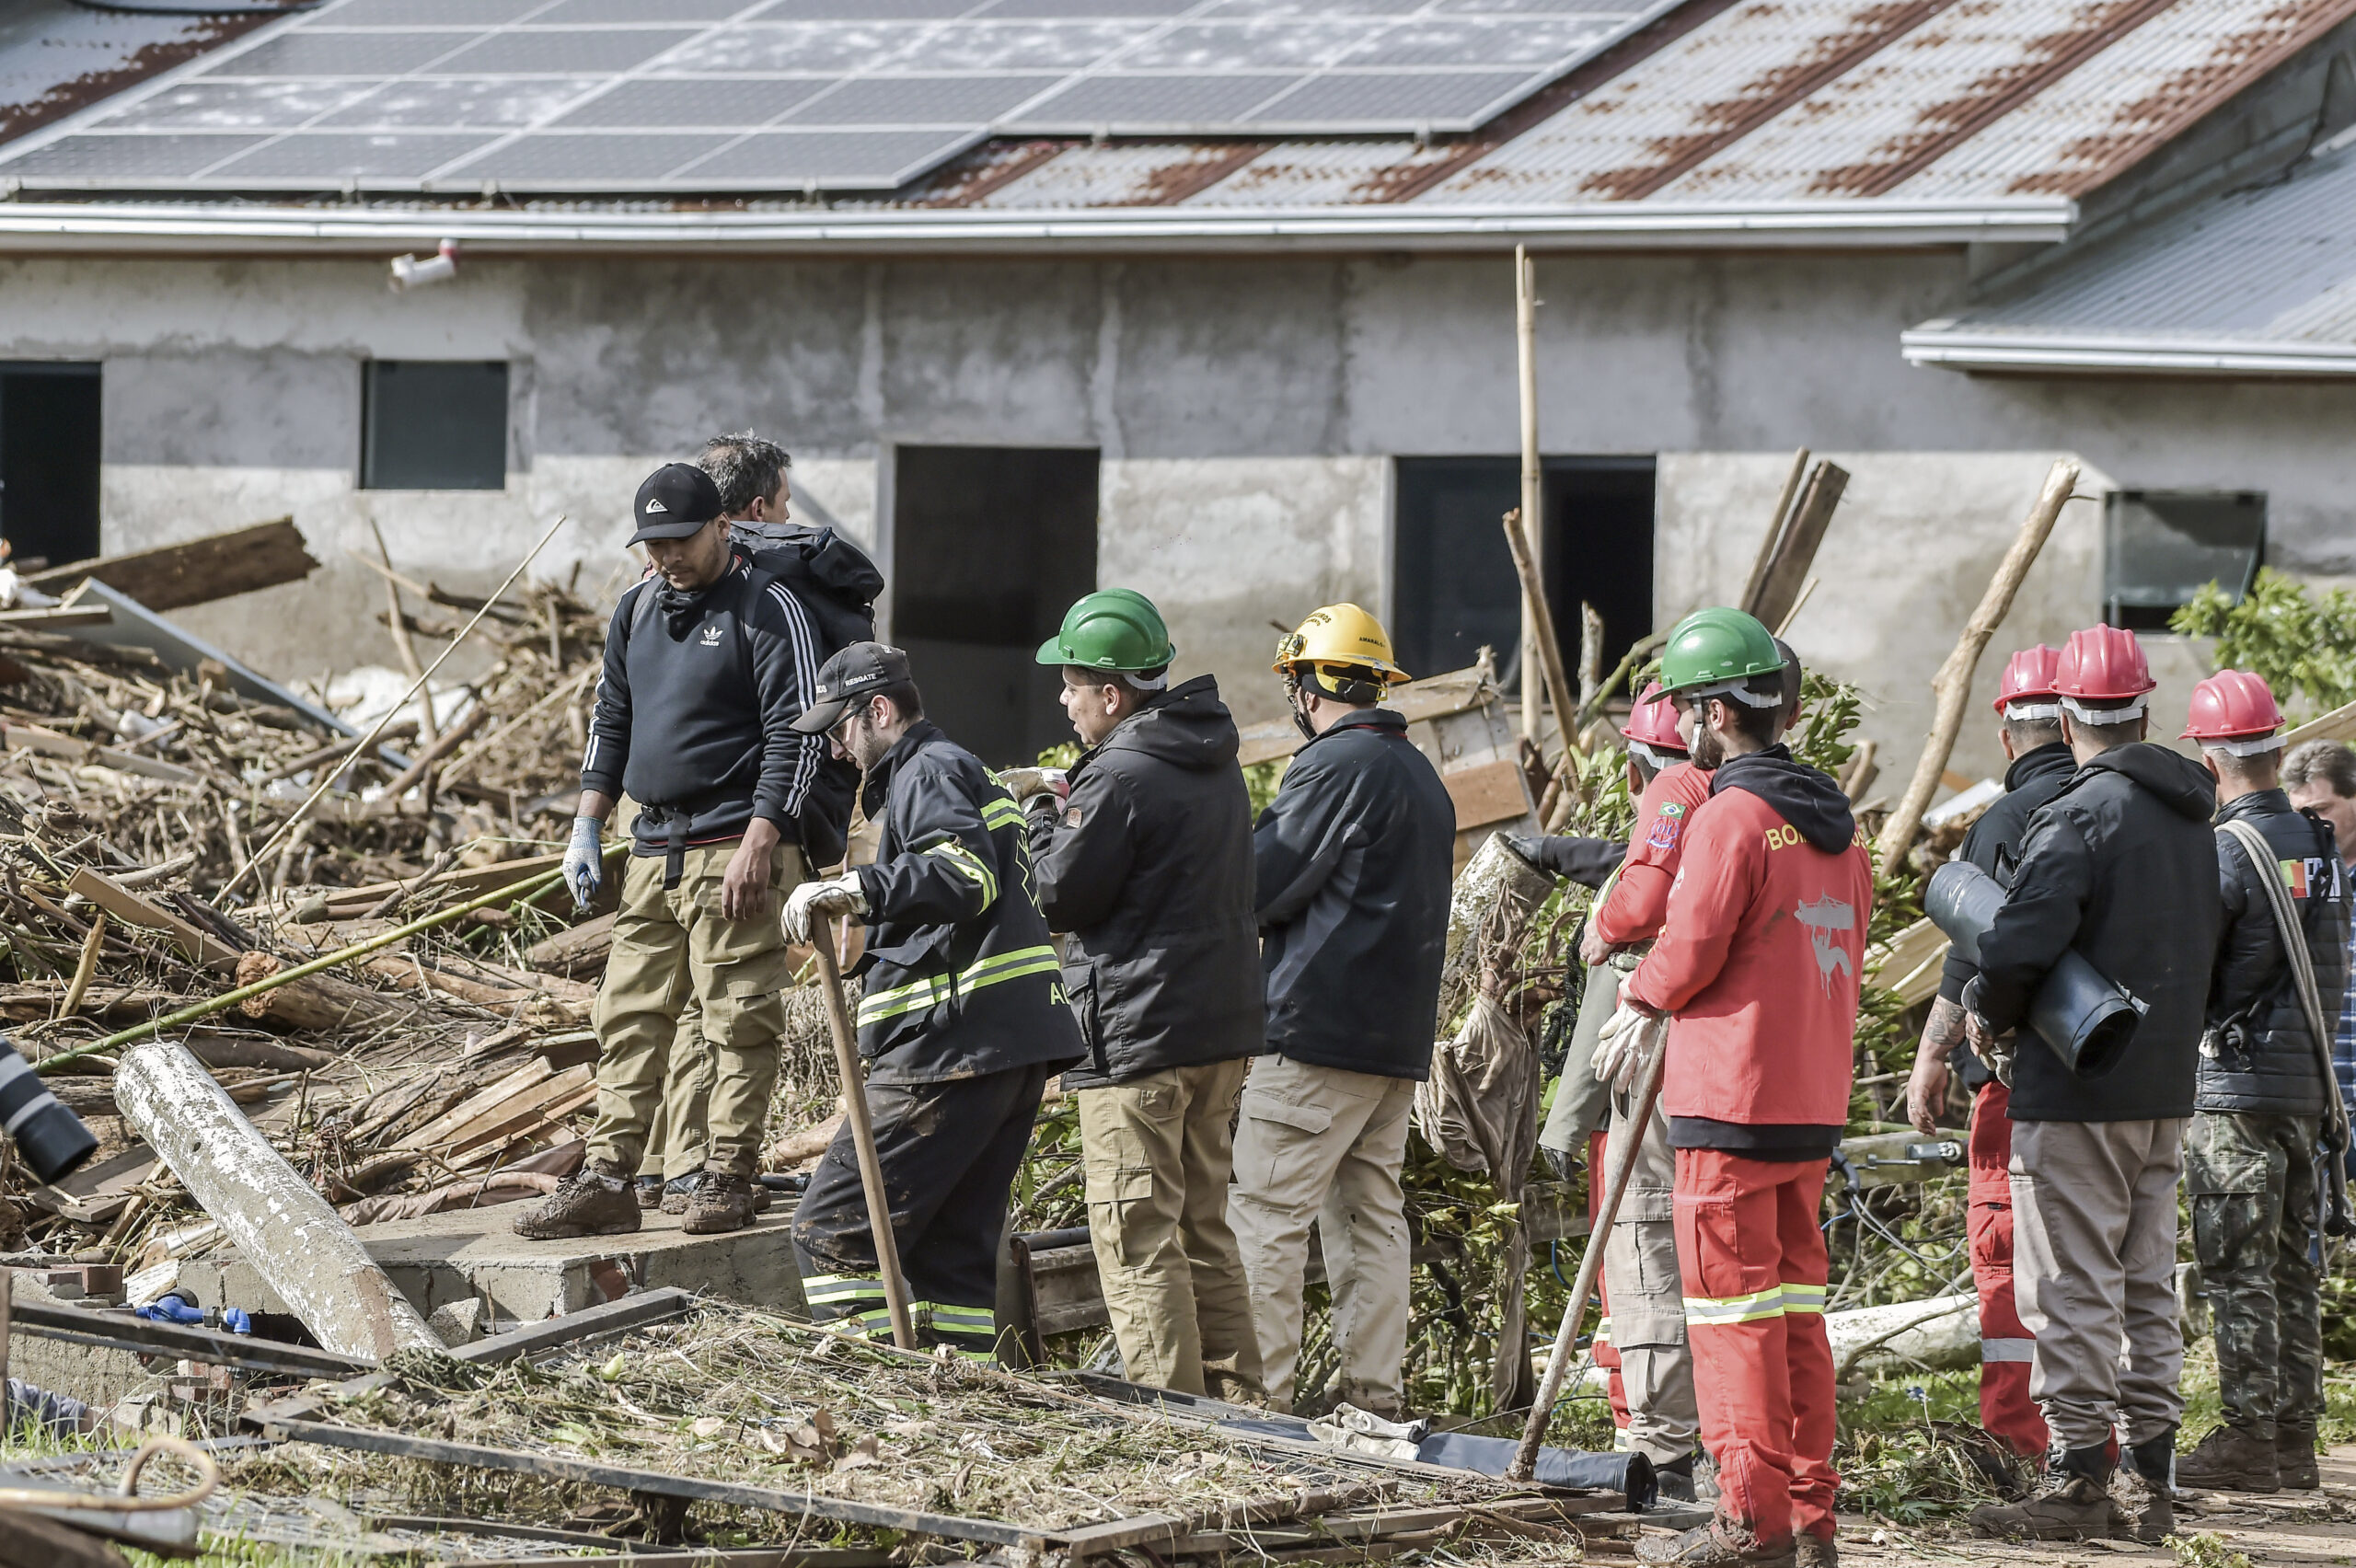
x: 132, y: 910
x: 1786, y: 573
x: 197, y: 572
x: 630, y: 1312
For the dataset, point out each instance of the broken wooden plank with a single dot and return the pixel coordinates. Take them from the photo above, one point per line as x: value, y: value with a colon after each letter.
x: 1487, y: 793
x: 196, y: 571
x: 131, y: 909
x: 1434, y: 696
x: 120, y: 1330
x: 552, y: 1333
x: 50, y: 743
x: 1161, y: 1530
x: 1786, y: 573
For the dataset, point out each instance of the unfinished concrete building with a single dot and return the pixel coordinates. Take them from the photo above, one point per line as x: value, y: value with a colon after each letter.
x: 1042, y: 296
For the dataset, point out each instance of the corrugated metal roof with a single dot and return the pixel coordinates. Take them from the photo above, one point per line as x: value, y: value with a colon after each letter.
x: 2258, y: 275
x: 57, y: 59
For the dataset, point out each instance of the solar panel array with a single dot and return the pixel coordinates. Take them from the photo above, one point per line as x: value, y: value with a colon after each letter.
x: 745, y: 95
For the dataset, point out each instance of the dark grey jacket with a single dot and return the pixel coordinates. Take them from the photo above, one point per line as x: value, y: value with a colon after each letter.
x: 1148, y: 866
x: 2122, y: 866
x: 2258, y: 1055
x: 1994, y: 845
x: 1355, y: 859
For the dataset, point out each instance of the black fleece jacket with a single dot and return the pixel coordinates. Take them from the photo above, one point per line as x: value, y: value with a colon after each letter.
x: 1147, y: 864
x: 2121, y: 865
x: 1994, y: 842
x: 1808, y: 798
x: 695, y: 711
x: 2258, y: 1055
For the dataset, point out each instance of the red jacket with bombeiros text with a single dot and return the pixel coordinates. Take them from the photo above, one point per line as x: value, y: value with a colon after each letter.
x: 1637, y: 901
x: 1759, y: 963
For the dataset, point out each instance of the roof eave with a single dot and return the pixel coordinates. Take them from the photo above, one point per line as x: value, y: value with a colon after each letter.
x: 2019, y: 353
x: 157, y: 227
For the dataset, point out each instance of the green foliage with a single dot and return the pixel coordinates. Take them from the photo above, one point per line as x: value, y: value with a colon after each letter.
x: 1261, y: 780
x: 2206, y: 1549
x: 2303, y: 643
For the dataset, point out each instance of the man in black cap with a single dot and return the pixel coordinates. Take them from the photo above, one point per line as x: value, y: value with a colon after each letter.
x: 962, y: 1019
x: 707, y: 666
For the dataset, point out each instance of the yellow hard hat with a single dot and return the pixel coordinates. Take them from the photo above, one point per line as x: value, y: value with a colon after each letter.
x: 1340, y: 640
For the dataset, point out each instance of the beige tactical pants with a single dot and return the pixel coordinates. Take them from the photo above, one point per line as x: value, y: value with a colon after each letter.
x: 2094, y: 1272
x: 1158, y: 1151
x: 667, y: 948
x: 1326, y: 1145
x: 681, y: 1135
x: 1647, y: 1295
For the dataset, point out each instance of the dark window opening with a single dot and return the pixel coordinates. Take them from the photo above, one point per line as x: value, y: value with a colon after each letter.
x: 990, y: 546
x: 2161, y: 547
x: 434, y: 424
x: 49, y: 462
x: 1455, y: 590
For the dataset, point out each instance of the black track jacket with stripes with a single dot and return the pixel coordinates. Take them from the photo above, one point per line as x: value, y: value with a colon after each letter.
x: 698, y: 719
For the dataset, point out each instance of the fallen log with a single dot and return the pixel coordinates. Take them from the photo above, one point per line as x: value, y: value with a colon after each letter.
x: 1939, y: 1334
x: 578, y: 952
x: 279, y: 1224
x: 317, y: 1001
x: 196, y: 571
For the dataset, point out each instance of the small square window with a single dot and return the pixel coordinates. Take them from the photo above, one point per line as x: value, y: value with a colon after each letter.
x: 2161, y: 547
x: 434, y: 424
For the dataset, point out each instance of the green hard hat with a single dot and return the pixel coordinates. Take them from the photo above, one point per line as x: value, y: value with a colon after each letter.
x: 1719, y: 647
x: 1113, y: 628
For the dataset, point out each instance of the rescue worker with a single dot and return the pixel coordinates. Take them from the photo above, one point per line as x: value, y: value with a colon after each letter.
x: 1641, y: 1342
x: 754, y: 496
x: 2262, y: 1101
x: 705, y: 673
x: 2320, y: 777
x: 962, y: 1019
x: 2038, y: 765
x: 1757, y: 963
x: 1352, y: 862
x: 2122, y: 867
x: 1147, y: 862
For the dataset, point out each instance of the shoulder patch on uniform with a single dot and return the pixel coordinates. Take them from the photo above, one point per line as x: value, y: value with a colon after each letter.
x: 1071, y: 816
x: 1672, y: 808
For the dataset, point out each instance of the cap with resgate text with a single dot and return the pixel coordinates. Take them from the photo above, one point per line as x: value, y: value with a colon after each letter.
x: 848, y: 676
x: 677, y: 499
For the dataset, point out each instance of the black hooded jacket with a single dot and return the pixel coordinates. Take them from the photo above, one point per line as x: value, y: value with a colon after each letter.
x: 1994, y: 844
x: 1808, y: 798
x: 2259, y: 1055
x: 1355, y: 857
x: 1148, y: 866
x: 2121, y: 864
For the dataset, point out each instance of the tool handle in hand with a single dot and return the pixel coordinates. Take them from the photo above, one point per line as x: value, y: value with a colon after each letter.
x: 863, y: 1137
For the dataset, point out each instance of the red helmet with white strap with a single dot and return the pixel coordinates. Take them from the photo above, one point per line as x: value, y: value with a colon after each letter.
x: 2028, y: 682
x: 2101, y: 676
x: 2234, y: 710
x: 1651, y: 729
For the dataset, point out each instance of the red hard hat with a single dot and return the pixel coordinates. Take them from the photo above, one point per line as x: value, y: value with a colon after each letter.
x: 2102, y: 664
x: 1654, y: 723
x: 2232, y: 705
x: 2028, y: 676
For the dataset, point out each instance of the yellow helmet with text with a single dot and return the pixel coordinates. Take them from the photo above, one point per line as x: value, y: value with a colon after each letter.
x: 1339, y: 648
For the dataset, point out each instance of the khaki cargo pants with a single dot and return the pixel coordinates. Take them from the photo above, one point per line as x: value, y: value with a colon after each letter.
x: 1157, y: 1153
x: 1326, y: 1145
x: 1645, y: 1293
x: 682, y: 1131
x: 669, y: 947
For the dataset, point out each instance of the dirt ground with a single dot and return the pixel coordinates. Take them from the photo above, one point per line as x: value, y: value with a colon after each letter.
x: 2291, y: 1527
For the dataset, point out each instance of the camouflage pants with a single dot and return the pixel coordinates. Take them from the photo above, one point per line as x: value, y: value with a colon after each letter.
x: 2252, y: 1180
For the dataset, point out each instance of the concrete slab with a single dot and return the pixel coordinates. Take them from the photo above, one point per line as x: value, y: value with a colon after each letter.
x: 476, y: 1255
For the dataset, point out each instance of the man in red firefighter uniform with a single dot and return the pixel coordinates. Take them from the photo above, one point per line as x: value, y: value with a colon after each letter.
x: 1757, y: 963
x: 2040, y: 765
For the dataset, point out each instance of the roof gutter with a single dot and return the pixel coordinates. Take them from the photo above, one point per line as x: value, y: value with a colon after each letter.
x: 2025, y: 352
x: 167, y: 227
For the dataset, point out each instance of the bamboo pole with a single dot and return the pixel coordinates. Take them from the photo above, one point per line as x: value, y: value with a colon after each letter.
x: 1952, y: 685
x: 1533, y: 1431
x: 328, y: 775
x: 1525, y: 319
x: 862, y: 1138
x: 426, y: 728
x: 1558, y: 686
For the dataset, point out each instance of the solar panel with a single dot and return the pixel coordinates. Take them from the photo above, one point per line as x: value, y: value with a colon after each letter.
x: 749, y: 96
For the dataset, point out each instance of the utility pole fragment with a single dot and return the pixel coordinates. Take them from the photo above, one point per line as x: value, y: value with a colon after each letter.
x: 1952, y: 685
x: 1525, y: 321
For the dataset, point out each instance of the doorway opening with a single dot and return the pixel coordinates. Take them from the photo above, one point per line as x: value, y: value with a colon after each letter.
x: 48, y: 460
x: 1456, y: 588
x: 991, y: 545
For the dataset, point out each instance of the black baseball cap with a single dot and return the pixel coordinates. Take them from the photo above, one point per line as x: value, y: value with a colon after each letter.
x: 677, y: 499
x: 846, y: 677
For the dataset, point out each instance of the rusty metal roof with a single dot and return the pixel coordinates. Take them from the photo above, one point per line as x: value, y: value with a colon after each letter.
x: 57, y: 59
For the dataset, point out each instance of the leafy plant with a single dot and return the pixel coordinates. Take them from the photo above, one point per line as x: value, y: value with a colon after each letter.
x: 2303, y: 643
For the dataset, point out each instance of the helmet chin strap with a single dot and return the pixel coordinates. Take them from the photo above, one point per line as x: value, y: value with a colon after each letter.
x: 1293, y: 705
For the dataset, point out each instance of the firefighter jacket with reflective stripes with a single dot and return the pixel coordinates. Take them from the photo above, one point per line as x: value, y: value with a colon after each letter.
x: 1636, y: 903
x: 1758, y: 962
x: 960, y: 979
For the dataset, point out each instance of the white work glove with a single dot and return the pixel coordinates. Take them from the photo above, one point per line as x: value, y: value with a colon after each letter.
x: 584, y: 860
x: 1625, y: 1050
x: 811, y: 899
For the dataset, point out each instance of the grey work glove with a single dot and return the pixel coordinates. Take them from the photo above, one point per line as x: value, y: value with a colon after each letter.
x: 584, y: 860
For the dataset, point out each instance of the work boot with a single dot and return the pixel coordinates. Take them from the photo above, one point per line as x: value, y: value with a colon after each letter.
x: 1815, y: 1551
x: 1691, y: 1479
x: 2233, y: 1458
x: 2073, y: 1503
x: 2142, y: 1490
x: 680, y: 1191
x: 722, y: 1203
x: 594, y: 1201
x: 2294, y: 1456
x: 1721, y: 1543
x: 650, y: 1193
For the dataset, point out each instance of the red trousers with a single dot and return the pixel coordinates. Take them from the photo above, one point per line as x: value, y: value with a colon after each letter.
x: 2005, y: 1344
x: 1754, y: 1269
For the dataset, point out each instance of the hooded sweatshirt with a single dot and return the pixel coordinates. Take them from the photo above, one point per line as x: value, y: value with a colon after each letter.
x: 1759, y: 964
x: 1147, y: 865
x: 2122, y: 866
